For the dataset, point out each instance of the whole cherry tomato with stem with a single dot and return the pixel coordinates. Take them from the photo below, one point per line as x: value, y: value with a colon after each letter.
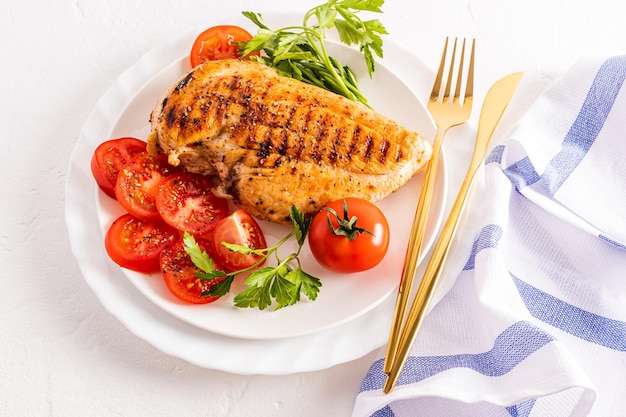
x: 349, y: 235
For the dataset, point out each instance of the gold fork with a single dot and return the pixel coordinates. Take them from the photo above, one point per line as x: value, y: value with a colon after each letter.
x: 447, y: 111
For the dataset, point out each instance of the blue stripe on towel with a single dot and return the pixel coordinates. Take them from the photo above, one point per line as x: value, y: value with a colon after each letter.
x: 522, y: 173
x: 510, y: 348
x: 571, y: 319
x: 488, y: 238
x: 522, y: 409
x: 386, y: 411
x: 588, y: 123
x: 495, y: 155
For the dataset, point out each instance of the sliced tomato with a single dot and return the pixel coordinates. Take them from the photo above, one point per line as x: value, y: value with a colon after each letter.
x: 110, y: 157
x: 218, y: 42
x: 179, y: 274
x: 241, y: 229
x: 338, y: 253
x: 185, y: 201
x: 136, y: 244
x: 138, y: 182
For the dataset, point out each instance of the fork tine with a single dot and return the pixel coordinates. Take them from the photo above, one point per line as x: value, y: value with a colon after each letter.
x: 434, y: 95
x: 459, y: 78
x: 469, y: 88
x: 446, y: 95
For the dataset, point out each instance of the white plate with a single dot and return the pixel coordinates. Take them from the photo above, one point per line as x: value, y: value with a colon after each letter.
x: 342, y: 297
x: 348, y: 311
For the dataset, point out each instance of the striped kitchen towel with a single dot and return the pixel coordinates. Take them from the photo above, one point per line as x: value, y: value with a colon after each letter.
x: 535, y: 323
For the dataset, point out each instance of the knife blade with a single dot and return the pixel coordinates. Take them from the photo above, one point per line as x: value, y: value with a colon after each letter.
x: 496, y: 101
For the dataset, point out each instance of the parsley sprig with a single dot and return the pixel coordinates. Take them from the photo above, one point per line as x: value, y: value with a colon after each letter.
x: 299, y: 51
x: 279, y: 285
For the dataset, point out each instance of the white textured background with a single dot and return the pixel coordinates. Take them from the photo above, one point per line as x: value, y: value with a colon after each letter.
x: 61, y: 353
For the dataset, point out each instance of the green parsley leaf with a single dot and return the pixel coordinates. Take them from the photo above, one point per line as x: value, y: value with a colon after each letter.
x: 254, y: 297
x: 257, y: 18
x: 301, y: 225
x: 221, y: 288
x: 326, y: 16
x: 284, y: 291
x: 261, y: 277
x: 307, y: 284
x: 199, y: 257
x: 365, y: 5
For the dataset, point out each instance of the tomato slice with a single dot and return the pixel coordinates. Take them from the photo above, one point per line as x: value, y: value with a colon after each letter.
x: 110, y: 157
x: 136, y: 244
x: 138, y: 182
x: 179, y: 274
x: 185, y: 201
x: 240, y: 229
x: 218, y: 42
x: 337, y: 253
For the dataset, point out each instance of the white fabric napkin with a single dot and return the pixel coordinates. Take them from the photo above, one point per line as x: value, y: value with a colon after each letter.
x: 535, y: 324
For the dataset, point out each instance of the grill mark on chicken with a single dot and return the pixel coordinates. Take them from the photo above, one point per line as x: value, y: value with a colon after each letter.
x: 283, y: 146
x: 274, y: 141
x: 184, y: 81
x: 302, y: 132
x: 317, y: 154
x: 213, y: 106
x: 399, y: 156
x: 369, y: 144
x: 332, y: 152
x: 235, y: 83
x: 172, y: 117
x: 356, y: 135
x: 382, y: 151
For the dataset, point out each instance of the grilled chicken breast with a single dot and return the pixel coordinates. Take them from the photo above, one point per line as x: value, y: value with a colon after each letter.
x: 274, y: 141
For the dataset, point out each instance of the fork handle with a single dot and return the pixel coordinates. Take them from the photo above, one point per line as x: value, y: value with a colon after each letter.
x: 414, y: 247
x: 431, y: 276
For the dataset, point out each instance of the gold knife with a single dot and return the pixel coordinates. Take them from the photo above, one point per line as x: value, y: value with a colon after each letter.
x: 496, y: 102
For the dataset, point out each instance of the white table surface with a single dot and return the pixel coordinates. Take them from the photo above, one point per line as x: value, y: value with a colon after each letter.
x: 61, y: 352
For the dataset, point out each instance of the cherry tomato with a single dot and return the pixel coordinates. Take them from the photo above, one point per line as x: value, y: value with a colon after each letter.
x: 138, y: 182
x: 179, y: 274
x: 185, y: 201
x: 337, y: 253
x: 240, y: 229
x: 109, y: 158
x: 218, y: 42
x: 136, y: 244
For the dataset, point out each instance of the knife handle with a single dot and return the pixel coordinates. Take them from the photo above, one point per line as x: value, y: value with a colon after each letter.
x: 432, y: 274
